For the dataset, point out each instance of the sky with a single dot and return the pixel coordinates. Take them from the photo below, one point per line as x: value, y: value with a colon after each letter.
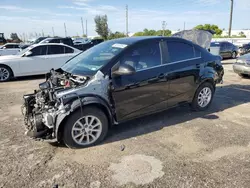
x: 32, y: 17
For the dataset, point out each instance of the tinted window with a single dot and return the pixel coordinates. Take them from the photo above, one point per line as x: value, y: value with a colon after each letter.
x: 179, y: 51
x: 66, y: 41
x: 55, y: 49
x: 39, y: 50
x: 68, y: 50
x: 9, y: 46
x: 55, y: 41
x: 143, y: 56
x: 197, y: 52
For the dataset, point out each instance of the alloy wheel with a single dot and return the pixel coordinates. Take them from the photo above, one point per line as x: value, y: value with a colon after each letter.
x: 204, y: 97
x: 4, y: 74
x: 86, y: 130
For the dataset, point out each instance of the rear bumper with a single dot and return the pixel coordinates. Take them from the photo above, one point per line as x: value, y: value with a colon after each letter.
x: 241, y: 69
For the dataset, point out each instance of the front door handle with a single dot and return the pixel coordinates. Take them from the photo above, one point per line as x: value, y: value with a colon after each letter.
x: 198, y: 66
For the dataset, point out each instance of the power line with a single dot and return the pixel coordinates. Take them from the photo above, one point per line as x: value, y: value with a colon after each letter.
x: 53, y: 32
x: 86, y: 28
x: 231, y: 18
x: 65, y: 29
x: 164, y: 24
x: 127, y: 20
x: 82, y: 27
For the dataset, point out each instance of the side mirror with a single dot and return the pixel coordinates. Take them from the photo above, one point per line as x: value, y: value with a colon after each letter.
x: 27, y: 54
x: 124, y: 70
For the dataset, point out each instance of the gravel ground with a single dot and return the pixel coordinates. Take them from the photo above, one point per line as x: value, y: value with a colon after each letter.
x: 177, y: 148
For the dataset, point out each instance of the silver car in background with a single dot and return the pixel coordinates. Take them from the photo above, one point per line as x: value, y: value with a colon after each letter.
x: 242, y: 66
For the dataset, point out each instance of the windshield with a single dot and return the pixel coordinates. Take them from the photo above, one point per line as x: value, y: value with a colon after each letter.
x: 39, y: 40
x: 215, y: 44
x: 25, y: 50
x: 90, y: 61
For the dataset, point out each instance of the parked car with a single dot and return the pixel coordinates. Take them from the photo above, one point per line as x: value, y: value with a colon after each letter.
x: 66, y: 40
x: 242, y: 65
x: 34, y: 60
x: 89, y: 44
x: 9, y: 49
x: 245, y: 49
x: 116, y: 81
x: 38, y: 40
x: 224, y: 49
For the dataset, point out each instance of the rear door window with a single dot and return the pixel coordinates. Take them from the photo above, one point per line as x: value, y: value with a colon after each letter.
x: 55, y: 49
x: 180, y: 51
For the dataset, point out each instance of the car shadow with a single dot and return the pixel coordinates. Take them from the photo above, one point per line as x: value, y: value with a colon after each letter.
x: 225, y: 97
x: 27, y: 78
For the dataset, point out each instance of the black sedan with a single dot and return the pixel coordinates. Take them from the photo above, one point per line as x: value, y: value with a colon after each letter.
x: 242, y: 65
x: 119, y: 80
x: 224, y: 49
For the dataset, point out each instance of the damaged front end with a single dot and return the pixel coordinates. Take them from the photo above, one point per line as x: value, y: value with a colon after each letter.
x: 41, y: 109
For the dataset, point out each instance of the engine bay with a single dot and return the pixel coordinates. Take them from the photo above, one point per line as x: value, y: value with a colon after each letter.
x: 41, y: 108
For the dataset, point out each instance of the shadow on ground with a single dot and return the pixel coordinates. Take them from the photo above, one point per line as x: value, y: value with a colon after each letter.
x: 27, y: 78
x: 226, y: 97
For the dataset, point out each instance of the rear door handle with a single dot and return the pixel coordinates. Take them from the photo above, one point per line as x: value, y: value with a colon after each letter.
x: 161, y: 76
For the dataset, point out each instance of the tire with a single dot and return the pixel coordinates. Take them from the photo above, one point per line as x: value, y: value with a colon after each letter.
x: 196, y: 103
x: 5, y: 73
x: 77, y: 120
x: 242, y: 75
x: 234, y: 55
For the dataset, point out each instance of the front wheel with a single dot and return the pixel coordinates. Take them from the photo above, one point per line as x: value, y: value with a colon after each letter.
x: 5, y: 73
x: 203, y: 97
x: 234, y: 55
x: 85, y: 128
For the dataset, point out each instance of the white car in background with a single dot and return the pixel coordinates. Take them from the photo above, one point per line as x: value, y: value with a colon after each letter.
x: 35, y: 60
x: 10, y: 49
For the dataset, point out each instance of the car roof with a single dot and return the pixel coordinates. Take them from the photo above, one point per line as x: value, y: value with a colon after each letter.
x: 50, y: 44
x: 133, y: 40
x: 12, y: 44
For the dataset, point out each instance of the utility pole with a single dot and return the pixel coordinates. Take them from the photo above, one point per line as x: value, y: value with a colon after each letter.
x: 42, y: 33
x: 231, y: 18
x: 86, y: 28
x: 127, y: 20
x: 163, y: 27
x: 65, y: 29
x: 53, y: 32
x: 184, y: 26
x: 82, y: 27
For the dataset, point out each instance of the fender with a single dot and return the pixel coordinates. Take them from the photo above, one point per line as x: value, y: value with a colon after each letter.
x: 76, y: 103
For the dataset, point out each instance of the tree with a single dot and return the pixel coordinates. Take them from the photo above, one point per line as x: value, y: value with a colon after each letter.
x: 147, y: 32
x: 116, y: 35
x: 214, y: 28
x: 14, y: 37
x: 101, y: 23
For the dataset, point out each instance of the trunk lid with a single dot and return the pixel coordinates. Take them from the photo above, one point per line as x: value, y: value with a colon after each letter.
x: 202, y: 38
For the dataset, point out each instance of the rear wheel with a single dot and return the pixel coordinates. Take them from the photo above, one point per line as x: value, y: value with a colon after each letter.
x: 203, y: 97
x: 86, y: 128
x: 5, y: 73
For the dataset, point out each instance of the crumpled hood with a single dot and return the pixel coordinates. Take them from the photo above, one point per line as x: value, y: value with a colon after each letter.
x: 201, y: 37
x: 9, y: 57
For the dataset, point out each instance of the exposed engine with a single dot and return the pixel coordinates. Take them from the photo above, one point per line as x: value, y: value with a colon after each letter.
x: 41, y: 108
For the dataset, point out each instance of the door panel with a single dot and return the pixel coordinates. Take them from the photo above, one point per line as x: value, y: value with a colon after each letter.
x: 146, y: 90
x: 183, y: 71
x: 182, y: 77
x: 141, y: 93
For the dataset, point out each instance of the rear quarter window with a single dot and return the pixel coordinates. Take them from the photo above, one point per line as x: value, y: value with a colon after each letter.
x: 180, y: 51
